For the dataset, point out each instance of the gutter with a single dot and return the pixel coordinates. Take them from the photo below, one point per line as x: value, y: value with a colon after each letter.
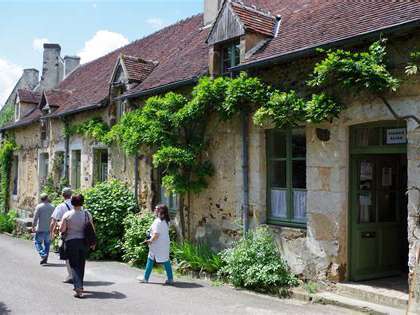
x: 160, y: 89
x: 311, y: 49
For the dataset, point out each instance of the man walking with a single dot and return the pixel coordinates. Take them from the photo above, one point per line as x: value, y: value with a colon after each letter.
x: 56, y: 217
x: 40, y: 226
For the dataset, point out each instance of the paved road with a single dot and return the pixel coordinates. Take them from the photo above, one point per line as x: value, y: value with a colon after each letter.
x: 28, y: 288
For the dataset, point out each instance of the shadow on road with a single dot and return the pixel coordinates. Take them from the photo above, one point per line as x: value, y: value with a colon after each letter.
x: 4, y: 309
x: 53, y: 265
x: 104, y: 295
x: 186, y: 285
x: 180, y: 284
x: 97, y: 283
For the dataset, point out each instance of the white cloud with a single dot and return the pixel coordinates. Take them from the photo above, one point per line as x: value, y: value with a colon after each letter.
x: 38, y: 43
x: 156, y: 23
x: 9, y: 74
x: 100, y: 44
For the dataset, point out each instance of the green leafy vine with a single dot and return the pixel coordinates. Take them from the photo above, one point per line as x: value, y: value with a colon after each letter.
x: 6, y: 159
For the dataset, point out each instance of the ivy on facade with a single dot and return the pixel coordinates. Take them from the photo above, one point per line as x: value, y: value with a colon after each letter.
x: 6, y: 159
x: 94, y: 128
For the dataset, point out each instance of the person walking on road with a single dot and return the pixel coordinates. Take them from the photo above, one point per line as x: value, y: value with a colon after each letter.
x: 56, y: 217
x: 73, y: 227
x: 159, y: 245
x: 40, y: 225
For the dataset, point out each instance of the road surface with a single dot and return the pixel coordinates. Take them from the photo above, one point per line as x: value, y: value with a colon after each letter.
x: 28, y: 288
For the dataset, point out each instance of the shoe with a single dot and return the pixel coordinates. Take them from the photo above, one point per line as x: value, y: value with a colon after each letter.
x: 69, y: 281
x: 141, y: 279
x: 43, y: 260
x: 169, y: 282
x: 78, y: 294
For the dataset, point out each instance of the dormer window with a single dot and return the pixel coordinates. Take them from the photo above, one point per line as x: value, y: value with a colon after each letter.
x: 238, y: 32
x: 230, y: 55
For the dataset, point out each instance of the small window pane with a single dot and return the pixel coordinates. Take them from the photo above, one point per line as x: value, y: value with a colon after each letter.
x: 278, y: 175
x: 279, y: 203
x: 279, y: 145
x: 299, y: 174
x: 367, y: 136
x: 298, y: 143
x: 387, y: 205
x: 366, y: 209
x: 299, y: 205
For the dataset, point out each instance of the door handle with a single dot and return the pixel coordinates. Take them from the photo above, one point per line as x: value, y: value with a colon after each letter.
x: 368, y: 234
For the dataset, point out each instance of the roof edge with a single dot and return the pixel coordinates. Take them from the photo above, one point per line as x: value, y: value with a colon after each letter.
x: 159, y: 89
x: 310, y: 49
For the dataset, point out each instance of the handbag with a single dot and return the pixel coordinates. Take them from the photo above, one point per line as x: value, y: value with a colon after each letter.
x: 89, y: 231
x: 62, y: 250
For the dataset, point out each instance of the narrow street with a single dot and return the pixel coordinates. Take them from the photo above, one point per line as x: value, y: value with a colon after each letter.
x: 28, y: 288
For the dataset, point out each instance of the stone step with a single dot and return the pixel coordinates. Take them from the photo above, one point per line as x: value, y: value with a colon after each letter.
x: 383, y: 296
x: 356, y: 304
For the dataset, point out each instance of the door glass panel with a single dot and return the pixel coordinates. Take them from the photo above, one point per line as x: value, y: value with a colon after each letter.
x: 279, y: 203
x: 299, y: 174
x: 278, y: 177
x: 366, y: 175
x: 366, y: 208
x: 387, y: 205
x: 299, y: 204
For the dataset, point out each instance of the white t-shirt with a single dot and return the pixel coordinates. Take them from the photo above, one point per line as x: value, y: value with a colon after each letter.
x: 159, y: 249
x: 61, y: 209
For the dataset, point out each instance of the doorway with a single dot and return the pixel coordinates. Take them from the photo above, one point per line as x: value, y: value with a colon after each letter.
x: 378, y: 203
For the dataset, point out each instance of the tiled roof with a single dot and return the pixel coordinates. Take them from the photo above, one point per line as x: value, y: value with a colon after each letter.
x: 137, y: 68
x: 182, y: 54
x: 28, y: 96
x: 254, y: 19
x: 308, y: 23
x: 180, y: 50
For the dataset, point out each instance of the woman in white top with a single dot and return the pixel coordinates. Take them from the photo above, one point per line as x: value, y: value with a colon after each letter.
x: 159, y: 244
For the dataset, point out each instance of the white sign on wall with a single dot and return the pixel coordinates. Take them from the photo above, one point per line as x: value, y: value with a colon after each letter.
x: 396, y: 136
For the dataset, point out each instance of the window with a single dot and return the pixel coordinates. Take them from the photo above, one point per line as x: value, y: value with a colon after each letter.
x: 75, y: 169
x: 43, y: 168
x: 286, y: 177
x: 121, y: 106
x: 15, y: 172
x: 230, y: 55
x: 100, y: 165
x: 169, y: 199
x: 44, y: 130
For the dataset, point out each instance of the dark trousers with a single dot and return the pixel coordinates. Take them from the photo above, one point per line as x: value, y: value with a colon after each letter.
x: 76, y: 252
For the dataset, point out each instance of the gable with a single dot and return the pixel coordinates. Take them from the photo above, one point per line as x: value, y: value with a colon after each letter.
x: 227, y: 26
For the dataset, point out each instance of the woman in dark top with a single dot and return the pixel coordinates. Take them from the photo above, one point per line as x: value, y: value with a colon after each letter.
x: 73, y: 226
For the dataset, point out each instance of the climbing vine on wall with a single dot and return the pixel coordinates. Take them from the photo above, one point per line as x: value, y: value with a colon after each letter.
x: 94, y: 128
x: 414, y: 64
x: 6, y: 159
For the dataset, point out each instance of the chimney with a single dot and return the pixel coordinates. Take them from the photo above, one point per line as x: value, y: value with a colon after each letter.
x: 211, y: 9
x: 52, y: 67
x: 31, y: 77
x: 70, y: 63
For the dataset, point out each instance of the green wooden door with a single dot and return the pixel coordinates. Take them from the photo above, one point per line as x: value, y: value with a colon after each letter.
x: 378, y: 215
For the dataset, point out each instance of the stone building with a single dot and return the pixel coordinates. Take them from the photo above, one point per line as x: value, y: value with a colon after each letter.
x: 341, y: 197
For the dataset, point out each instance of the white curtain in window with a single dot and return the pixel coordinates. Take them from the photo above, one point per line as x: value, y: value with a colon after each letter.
x: 278, y: 203
x: 299, y: 202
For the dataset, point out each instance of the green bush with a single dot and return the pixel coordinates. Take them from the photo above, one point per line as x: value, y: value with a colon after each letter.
x: 136, y: 227
x: 109, y: 203
x: 8, y: 221
x: 254, y: 263
x: 195, y: 257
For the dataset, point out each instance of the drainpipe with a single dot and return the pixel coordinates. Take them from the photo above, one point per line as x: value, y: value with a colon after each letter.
x: 245, y: 170
x: 66, y: 152
x: 136, y: 178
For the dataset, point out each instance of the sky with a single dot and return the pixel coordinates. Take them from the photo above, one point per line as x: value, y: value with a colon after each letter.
x: 85, y: 28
